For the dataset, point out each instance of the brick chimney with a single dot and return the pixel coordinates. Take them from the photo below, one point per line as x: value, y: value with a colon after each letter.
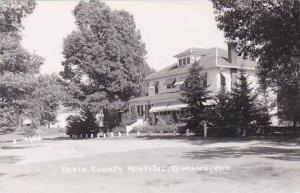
x: 232, y: 54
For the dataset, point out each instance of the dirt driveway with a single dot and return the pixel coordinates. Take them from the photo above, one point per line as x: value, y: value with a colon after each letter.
x: 150, y: 164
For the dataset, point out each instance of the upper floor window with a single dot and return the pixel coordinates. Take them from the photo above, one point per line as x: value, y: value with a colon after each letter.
x: 180, y: 62
x: 184, y: 61
x: 170, y: 83
x: 188, y: 60
x: 233, y: 73
x: 156, y: 87
x: 222, y: 80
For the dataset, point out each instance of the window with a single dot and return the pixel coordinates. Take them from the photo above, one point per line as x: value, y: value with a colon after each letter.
x: 170, y: 86
x: 184, y: 61
x: 222, y: 80
x: 180, y: 62
x: 156, y: 87
x: 233, y: 73
x: 142, y: 110
x: 188, y: 60
x: 138, y: 110
x: 170, y: 83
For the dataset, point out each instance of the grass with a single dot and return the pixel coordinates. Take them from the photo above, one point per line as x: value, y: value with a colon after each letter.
x: 151, y: 164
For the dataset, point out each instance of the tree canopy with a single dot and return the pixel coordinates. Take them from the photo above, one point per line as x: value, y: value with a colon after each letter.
x: 104, y: 58
x: 266, y: 30
x: 18, y: 67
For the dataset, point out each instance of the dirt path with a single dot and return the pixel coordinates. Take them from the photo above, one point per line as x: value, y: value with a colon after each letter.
x: 150, y: 165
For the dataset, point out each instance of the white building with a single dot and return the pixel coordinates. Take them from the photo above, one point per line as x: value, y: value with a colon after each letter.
x: 219, y: 66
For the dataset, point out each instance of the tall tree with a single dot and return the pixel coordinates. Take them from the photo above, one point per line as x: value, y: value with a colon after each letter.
x: 104, y: 59
x: 245, y: 111
x: 196, y: 94
x: 222, y: 109
x: 17, y: 67
x: 84, y: 123
x: 269, y: 31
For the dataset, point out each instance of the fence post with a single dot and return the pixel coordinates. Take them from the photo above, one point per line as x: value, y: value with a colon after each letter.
x: 205, y: 129
x: 187, y: 132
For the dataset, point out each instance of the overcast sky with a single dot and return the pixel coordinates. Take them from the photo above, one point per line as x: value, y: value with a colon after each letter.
x: 167, y: 28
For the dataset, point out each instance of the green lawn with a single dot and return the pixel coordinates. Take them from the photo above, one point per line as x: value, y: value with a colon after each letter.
x: 150, y: 164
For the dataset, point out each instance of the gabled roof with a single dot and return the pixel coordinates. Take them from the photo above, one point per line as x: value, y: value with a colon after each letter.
x: 168, y: 71
x: 192, y: 51
x: 214, y: 57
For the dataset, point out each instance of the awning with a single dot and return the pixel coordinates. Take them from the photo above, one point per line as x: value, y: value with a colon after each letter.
x: 158, y: 109
x: 170, y: 81
x: 176, y: 107
x: 179, y: 83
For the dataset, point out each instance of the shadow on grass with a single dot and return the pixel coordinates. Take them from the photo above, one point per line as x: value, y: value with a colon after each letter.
x: 66, y: 139
x: 9, y: 159
x: 199, y: 140
x: 56, y: 139
x: 26, y: 175
x: 19, y: 147
x: 236, y: 152
x: 194, y: 140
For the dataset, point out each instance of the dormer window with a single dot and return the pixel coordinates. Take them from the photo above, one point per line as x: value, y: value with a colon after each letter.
x: 184, y: 61
x: 188, y: 60
x: 180, y: 62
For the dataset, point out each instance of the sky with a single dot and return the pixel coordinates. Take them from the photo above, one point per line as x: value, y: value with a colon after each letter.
x: 168, y: 27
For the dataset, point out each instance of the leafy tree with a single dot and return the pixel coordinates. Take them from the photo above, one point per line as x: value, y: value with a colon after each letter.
x: 84, y: 123
x: 104, y: 62
x: 289, y: 102
x: 268, y: 31
x: 18, y: 68
x: 12, y: 12
x: 46, y: 98
x: 195, y: 94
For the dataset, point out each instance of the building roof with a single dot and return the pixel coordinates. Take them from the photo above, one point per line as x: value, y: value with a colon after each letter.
x: 214, y: 57
x: 193, y: 51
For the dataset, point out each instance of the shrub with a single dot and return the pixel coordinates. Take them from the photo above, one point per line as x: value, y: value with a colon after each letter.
x: 120, y: 129
x: 164, y: 128
x: 128, y: 120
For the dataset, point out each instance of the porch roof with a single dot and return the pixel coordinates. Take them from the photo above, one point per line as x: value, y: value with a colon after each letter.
x: 173, y: 96
x: 175, y: 107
